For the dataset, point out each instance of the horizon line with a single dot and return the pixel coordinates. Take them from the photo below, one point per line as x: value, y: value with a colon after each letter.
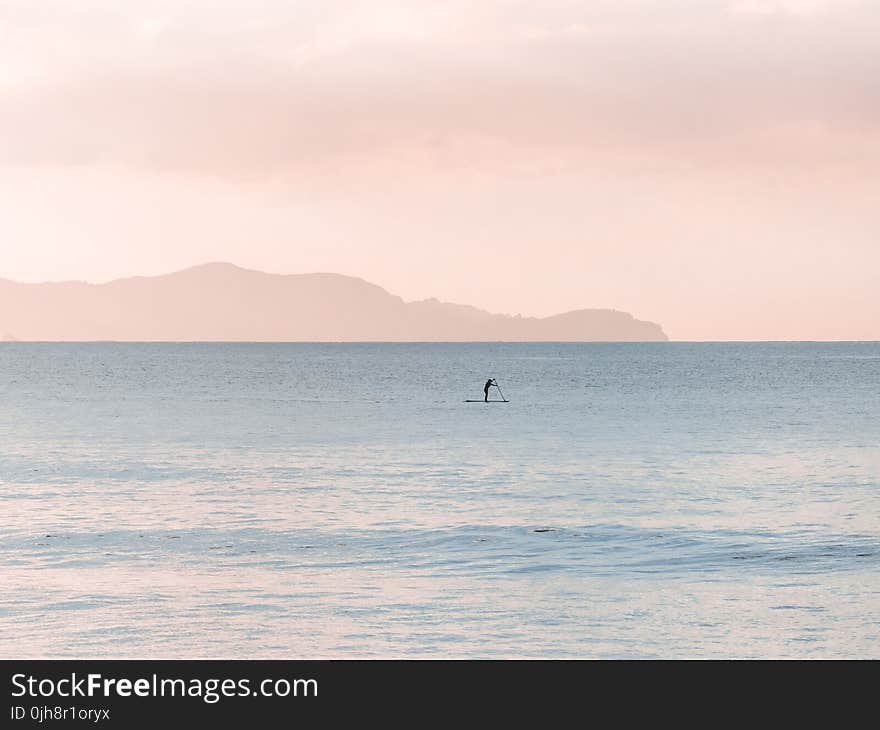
x: 436, y: 342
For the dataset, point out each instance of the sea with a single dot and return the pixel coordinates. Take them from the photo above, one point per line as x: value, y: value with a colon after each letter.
x: 640, y: 500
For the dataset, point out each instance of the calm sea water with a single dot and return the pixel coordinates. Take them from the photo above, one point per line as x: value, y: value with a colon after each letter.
x: 304, y: 501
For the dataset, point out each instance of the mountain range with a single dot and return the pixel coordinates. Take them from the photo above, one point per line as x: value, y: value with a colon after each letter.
x: 223, y: 302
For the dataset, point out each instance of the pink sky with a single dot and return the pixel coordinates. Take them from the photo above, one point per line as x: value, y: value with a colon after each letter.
x: 710, y: 165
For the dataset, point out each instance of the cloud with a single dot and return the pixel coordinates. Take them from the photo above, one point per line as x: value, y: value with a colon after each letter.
x: 270, y: 88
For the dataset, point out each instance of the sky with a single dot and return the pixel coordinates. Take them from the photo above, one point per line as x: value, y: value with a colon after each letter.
x: 711, y: 165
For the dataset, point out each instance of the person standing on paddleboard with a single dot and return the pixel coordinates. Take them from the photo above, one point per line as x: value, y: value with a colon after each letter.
x: 489, y: 383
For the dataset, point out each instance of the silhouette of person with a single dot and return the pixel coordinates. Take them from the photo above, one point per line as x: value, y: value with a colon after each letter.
x: 489, y: 383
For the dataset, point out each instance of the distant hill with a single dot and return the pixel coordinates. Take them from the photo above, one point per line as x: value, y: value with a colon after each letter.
x: 222, y: 302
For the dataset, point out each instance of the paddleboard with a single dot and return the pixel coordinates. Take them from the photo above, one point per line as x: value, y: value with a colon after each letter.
x: 487, y: 401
